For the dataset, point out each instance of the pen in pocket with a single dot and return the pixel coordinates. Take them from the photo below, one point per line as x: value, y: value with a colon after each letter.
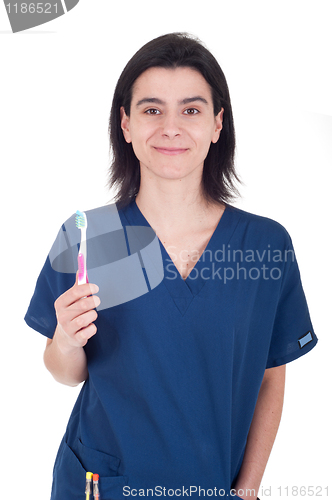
x: 88, y: 485
x: 96, y: 487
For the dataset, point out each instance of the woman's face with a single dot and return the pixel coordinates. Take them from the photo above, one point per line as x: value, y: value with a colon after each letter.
x: 172, y: 123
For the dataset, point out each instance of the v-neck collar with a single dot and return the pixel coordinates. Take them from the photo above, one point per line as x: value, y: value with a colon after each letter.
x: 182, y: 290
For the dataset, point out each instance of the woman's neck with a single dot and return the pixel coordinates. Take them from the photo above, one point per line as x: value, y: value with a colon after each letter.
x: 174, y: 206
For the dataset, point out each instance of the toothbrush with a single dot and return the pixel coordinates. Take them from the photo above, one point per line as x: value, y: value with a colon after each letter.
x: 82, y: 224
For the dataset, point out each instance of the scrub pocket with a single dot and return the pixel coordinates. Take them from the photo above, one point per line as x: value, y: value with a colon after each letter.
x: 70, y: 473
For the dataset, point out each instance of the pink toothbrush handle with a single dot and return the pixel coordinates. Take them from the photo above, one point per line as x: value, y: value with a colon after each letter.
x: 82, y: 274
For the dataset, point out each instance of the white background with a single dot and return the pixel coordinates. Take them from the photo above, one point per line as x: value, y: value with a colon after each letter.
x: 57, y: 82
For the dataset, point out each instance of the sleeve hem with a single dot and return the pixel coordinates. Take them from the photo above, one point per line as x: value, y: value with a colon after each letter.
x: 37, y: 327
x: 292, y: 356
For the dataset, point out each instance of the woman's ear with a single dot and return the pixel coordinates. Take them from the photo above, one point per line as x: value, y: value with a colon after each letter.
x: 218, y: 127
x: 125, y: 125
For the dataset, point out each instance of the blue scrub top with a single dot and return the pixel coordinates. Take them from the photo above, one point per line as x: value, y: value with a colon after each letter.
x: 174, y: 373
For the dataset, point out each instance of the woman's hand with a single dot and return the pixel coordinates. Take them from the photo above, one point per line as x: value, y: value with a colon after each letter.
x: 64, y: 355
x: 75, y: 311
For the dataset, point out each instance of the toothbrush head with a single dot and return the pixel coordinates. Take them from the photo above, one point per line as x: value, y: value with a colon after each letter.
x: 81, y: 220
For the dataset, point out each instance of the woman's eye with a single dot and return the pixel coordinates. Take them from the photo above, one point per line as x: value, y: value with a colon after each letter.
x: 152, y: 111
x: 191, y: 111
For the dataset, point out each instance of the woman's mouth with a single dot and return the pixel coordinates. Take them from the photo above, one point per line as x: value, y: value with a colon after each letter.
x: 171, y: 151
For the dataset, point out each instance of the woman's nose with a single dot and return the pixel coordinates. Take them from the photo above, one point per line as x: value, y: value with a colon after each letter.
x: 171, y: 126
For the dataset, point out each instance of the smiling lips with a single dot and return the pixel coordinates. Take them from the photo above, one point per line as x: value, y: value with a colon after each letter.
x: 171, y: 151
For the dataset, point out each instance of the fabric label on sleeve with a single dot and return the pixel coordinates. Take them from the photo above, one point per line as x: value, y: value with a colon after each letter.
x: 305, y: 339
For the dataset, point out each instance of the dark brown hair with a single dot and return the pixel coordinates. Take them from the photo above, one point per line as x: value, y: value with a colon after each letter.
x: 172, y: 51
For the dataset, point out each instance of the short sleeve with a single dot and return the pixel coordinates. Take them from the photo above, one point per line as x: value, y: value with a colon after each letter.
x: 57, y: 275
x: 293, y: 334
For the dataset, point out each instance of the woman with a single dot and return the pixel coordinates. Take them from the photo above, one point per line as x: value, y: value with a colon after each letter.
x: 183, y: 384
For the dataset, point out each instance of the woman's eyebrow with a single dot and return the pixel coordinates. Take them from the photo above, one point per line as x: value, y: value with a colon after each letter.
x: 155, y: 100
x: 193, y: 99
